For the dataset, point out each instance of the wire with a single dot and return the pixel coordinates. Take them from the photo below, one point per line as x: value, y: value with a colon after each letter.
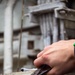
x: 20, y: 36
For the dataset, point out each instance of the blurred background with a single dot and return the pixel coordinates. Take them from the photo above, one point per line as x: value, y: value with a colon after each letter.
x: 27, y: 26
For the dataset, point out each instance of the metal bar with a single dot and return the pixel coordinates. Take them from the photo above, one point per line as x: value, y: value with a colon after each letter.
x: 62, y: 37
x: 45, y: 30
x: 55, y: 30
x: 51, y: 22
x: 41, y: 27
x: 48, y: 33
x: 41, y: 24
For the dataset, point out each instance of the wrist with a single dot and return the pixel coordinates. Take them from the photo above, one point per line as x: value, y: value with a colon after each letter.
x: 72, y: 49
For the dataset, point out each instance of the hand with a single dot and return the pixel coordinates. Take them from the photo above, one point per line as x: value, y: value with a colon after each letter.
x: 59, y: 56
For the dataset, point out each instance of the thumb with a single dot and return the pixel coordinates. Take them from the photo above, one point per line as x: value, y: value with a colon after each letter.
x: 39, y: 61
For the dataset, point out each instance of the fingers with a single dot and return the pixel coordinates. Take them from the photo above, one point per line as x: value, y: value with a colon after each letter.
x: 44, y: 59
x: 39, y: 61
x: 45, y: 49
x: 40, y: 54
x: 50, y: 48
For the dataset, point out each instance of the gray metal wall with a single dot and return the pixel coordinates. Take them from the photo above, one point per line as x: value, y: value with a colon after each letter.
x: 16, y: 15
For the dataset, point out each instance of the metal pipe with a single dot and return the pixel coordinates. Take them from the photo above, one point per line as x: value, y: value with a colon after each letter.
x: 55, y: 30
x: 45, y: 29
x: 8, y: 32
x: 48, y: 33
x: 62, y: 37
x: 41, y: 26
x: 51, y: 22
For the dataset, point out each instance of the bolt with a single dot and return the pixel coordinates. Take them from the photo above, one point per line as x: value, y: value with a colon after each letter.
x: 62, y: 11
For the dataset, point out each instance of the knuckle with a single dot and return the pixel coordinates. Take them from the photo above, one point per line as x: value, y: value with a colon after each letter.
x: 45, y: 57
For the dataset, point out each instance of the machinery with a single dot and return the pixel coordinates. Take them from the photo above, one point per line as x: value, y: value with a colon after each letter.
x: 35, y: 24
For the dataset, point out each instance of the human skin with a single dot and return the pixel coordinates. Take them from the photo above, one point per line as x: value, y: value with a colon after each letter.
x: 59, y: 56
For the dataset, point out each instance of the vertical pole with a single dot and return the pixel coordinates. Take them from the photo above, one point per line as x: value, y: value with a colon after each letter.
x: 50, y: 15
x: 62, y: 30
x: 48, y: 33
x: 8, y: 32
x: 41, y: 26
x: 55, y: 30
x: 18, y: 64
x: 45, y: 30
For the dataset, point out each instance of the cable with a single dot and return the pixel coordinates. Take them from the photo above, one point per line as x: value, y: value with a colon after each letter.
x: 20, y: 36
